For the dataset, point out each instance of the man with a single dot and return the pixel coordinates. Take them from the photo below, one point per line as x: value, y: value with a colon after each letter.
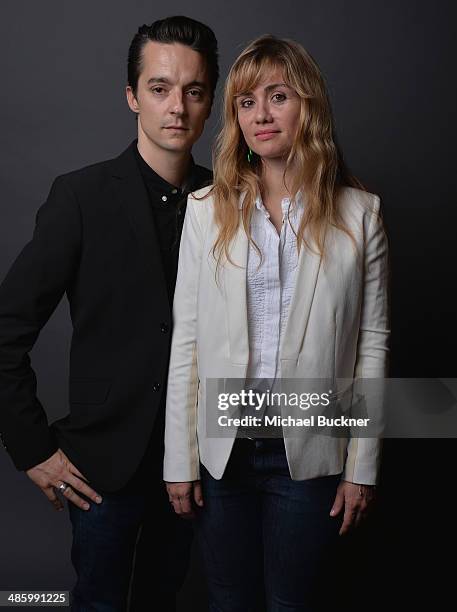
x: 108, y: 236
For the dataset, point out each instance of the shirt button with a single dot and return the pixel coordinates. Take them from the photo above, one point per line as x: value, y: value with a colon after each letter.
x: 156, y: 386
x: 174, y: 191
x: 164, y: 198
x: 163, y: 328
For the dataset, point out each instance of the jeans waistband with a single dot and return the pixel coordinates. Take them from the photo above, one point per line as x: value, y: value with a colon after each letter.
x: 260, y: 444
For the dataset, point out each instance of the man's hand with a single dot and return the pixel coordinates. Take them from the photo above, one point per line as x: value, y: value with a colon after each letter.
x: 356, y: 501
x: 58, y: 470
x: 182, y: 495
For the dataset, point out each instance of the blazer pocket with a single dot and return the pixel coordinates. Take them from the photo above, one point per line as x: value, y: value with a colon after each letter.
x: 89, y: 390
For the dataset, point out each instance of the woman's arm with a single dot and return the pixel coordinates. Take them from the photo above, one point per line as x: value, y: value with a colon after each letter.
x: 362, y: 463
x: 181, y: 463
x: 356, y: 492
x: 372, y: 347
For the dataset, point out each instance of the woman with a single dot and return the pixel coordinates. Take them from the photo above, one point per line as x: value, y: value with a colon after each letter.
x: 282, y: 275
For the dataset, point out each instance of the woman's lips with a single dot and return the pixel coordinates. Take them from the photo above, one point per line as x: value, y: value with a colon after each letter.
x: 266, y: 135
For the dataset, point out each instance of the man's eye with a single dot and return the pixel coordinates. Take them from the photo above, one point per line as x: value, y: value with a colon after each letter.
x: 158, y: 90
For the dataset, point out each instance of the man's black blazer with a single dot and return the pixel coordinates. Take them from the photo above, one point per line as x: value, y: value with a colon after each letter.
x: 94, y: 240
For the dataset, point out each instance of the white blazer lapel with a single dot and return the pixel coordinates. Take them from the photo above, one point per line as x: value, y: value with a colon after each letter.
x: 235, y: 294
x: 235, y: 298
x: 235, y: 279
x: 308, y: 267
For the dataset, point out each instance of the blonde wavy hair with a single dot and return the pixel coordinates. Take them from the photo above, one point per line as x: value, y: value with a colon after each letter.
x: 319, y: 169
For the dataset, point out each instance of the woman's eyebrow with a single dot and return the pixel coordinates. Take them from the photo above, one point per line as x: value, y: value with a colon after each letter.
x: 243, y: 93
x: 267, y: 88
x: 275, y: 85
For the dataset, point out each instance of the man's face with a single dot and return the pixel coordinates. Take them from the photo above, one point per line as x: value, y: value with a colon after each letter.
x: 173, y: 98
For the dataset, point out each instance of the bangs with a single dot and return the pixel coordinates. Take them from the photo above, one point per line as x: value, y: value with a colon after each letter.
x: 251, y: 70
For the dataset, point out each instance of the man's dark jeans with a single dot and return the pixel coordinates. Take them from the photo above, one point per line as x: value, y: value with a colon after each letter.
x: 258, y: 525
x: 103, y: 551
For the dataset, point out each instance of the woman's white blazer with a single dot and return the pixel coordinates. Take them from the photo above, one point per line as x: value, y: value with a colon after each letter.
x: 337, y: 327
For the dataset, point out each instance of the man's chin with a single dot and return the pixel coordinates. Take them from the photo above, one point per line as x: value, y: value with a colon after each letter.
x: 178, y: 146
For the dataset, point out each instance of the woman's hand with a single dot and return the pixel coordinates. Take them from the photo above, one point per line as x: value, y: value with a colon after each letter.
x: 182, y: 495
x: 356, y: 500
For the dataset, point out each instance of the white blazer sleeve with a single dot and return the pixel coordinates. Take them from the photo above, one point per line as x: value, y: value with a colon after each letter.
x: 181, y: 462
x: 364, y: 454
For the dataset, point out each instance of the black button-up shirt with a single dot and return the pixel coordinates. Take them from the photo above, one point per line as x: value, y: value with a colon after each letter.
x: 168, y: 204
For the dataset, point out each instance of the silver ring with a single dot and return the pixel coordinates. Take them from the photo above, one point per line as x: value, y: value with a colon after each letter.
x: 63, y: 487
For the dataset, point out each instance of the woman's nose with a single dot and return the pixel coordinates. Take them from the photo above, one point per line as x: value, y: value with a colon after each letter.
x: 263, y: 114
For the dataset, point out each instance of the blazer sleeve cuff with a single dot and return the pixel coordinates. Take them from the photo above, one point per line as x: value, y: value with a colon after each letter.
x: 32, y: 448
x: 363, y: 461
x: 183, y: 473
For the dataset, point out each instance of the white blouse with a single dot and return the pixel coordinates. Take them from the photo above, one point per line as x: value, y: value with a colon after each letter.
x: 270, y: 285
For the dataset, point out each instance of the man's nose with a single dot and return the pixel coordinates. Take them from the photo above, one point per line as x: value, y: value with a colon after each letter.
x: 177, y: 103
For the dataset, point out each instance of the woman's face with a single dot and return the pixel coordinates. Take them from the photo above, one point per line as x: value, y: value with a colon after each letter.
x: 268, y: 116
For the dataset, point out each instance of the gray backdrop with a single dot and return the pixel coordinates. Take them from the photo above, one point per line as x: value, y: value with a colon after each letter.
x: 390, y: 71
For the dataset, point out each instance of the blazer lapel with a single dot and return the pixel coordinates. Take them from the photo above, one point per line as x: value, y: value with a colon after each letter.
x: 308, y: 267
x: 131, y: 193
x: 235, y: 285
x: 235, y: 298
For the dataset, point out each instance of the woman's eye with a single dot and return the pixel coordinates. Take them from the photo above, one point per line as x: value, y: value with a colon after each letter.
x: 246, y: 103
x: 279, y: 97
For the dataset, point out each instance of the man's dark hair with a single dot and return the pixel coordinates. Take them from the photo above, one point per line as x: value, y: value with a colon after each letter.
x: 179, y: 29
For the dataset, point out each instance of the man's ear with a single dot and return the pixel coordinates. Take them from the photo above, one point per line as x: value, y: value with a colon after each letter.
x: 131, y: 99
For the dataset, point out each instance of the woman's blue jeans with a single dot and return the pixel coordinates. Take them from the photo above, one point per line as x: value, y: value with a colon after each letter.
x: 260, y: 526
